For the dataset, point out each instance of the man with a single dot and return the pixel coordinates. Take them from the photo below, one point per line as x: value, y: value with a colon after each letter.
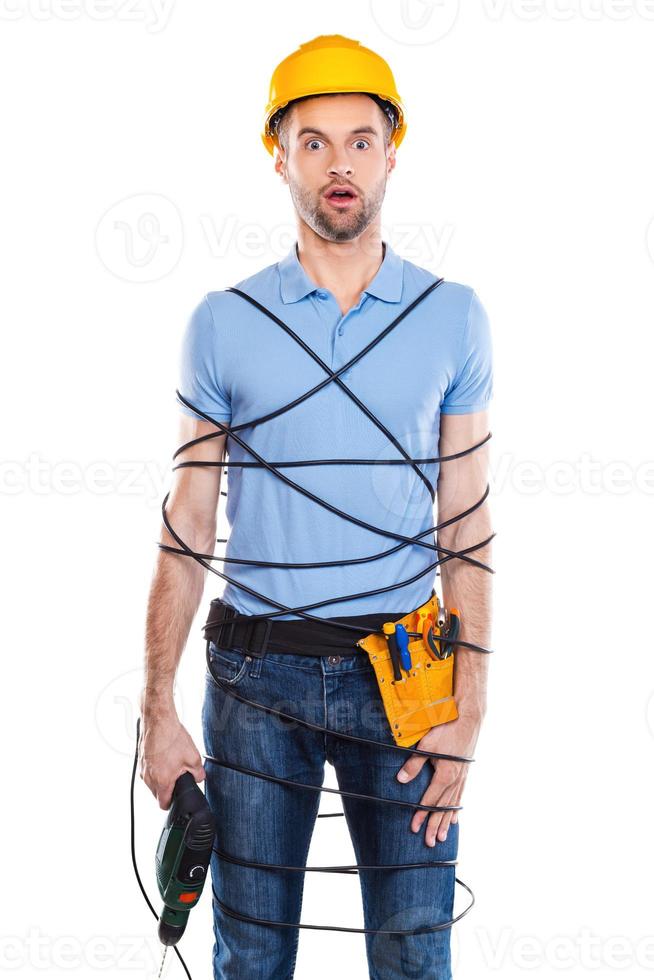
x: 335, y: 122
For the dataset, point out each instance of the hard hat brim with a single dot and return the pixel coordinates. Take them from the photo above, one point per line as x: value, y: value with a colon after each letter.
x: 270, y: 140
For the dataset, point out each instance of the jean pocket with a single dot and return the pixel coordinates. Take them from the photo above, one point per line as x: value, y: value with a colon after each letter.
x: 228, y: 666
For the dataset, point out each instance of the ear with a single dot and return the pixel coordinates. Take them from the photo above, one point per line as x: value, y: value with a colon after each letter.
x: 280, y: 163
x: 390, y: 158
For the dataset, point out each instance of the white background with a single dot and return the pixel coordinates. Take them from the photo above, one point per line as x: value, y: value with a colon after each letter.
x: 135, y: 180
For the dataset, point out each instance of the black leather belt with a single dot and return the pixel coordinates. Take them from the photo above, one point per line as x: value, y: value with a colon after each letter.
x: 302, y: 636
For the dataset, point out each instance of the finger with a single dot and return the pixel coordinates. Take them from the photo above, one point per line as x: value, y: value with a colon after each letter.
x: 447, y: 775
x: 437, y: 826
x: 418, y: 819
x: 166, y: 791
x: 438, y: 823
x: 462, y: 781
x: 431, y: 797
x: 411, y: 768
x: 429, y: 818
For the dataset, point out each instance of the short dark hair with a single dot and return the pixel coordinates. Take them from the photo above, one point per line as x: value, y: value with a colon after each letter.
x: 279, y: 122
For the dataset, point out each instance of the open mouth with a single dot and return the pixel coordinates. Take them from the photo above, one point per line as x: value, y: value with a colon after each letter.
x: 340, y: 197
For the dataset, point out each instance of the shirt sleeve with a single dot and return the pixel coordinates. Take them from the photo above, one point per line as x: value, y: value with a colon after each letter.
x: 471, y: 389
x: 200, y: 380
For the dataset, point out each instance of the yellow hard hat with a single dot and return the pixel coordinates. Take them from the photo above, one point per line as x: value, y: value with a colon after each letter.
x: 331, y: 63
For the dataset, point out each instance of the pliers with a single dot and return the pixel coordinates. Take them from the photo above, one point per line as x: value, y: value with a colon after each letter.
x: 444, y: 647
x: 453, y: 631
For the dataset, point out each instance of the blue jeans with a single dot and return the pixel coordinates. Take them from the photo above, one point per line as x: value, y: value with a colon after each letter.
x: 259, y: 820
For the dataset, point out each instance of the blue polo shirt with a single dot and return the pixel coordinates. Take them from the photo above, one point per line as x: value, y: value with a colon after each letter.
x: 236, y: 365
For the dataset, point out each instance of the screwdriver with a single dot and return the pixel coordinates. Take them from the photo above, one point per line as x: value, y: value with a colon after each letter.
x: 402, y: 638
x: 391, y: 639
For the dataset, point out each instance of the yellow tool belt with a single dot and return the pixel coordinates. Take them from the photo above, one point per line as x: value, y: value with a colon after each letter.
x: 423, y: 697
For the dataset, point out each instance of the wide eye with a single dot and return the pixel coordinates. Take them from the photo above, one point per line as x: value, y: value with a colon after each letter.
x: 314, y: 140
x: 365, y: 142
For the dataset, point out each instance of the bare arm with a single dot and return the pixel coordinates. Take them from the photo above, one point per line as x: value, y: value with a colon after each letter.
x: 461, y: 484
x: 175, y: 594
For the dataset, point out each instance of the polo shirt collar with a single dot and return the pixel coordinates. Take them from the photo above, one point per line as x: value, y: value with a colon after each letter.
x: 295, y: 284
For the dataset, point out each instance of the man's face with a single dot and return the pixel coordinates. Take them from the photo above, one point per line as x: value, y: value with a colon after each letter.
x: 336, y: 140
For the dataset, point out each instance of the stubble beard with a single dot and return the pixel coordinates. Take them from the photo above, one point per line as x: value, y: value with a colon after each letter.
x: 337, y: 226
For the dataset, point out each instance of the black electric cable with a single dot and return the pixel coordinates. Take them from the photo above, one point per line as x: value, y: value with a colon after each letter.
x: 302, y: 611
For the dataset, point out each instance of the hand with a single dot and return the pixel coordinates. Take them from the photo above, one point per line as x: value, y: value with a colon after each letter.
x: 457, y: 737
x: 166, y: 750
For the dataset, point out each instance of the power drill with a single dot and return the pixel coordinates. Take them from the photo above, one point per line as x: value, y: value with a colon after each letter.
x: 183, y: 856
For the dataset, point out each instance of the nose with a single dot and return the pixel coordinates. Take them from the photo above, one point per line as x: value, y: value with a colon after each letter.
x: 340, y: 167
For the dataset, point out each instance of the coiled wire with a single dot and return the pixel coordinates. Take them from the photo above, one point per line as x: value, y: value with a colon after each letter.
x: 332, y: 376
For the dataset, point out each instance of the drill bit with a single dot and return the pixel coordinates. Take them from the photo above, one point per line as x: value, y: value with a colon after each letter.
x: 163, y: 959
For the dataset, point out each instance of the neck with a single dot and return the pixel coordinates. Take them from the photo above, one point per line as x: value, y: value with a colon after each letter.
x: 345, y: 268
